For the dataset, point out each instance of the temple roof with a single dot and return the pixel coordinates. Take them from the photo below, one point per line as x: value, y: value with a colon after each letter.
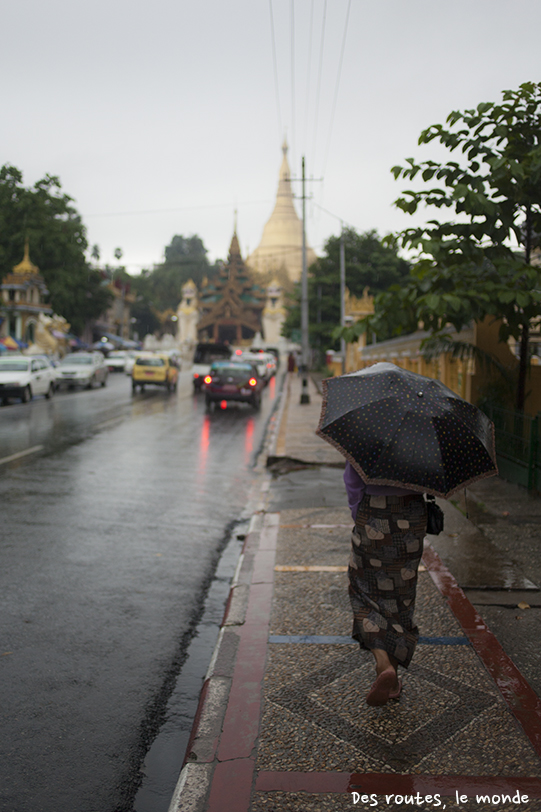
x: 25, y: 266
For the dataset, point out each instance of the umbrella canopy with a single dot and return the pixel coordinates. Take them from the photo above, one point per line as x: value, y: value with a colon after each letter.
x: 399, y: 428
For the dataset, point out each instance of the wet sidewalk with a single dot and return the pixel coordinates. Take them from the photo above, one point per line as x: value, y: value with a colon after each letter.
x: 282, y: 722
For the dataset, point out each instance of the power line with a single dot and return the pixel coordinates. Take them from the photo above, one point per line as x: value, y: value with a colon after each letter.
x: 293, y: 79
x: 318, y: 91
x: 336, y: 89
x: 276, y: 90
x: 306, y: 111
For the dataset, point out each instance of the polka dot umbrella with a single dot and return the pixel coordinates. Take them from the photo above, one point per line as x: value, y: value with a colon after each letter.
x: 399, y: 428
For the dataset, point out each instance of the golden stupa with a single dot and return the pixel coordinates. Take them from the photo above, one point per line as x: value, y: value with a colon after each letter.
x: 280, y: 250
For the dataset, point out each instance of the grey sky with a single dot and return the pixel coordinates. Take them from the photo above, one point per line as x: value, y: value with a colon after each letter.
x: 168, y: 109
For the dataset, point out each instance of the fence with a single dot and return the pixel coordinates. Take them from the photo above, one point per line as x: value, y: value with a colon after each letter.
x: 518, y: 446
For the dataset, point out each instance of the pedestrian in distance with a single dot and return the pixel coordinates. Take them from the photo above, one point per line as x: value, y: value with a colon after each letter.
x: 403, y: 435
x: 291, y: 362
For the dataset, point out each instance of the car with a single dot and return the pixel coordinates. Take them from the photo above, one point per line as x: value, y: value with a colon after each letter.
x: 116, y: 360
x: 82, y: 369
x: 260, y: 361
x: 233, y: 380
x: 23, y: 377
x: 131, y: 355
x: 154, y: 369
x: 203, y: 358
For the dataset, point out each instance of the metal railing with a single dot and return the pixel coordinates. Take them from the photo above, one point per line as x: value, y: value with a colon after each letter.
x: 518, y: 446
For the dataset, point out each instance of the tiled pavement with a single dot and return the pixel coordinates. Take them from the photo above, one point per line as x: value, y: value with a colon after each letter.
x: 282, y: 722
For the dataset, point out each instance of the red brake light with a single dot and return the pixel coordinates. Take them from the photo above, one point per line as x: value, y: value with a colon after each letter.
x: 196, y: 375
x: 223, y: 404
x: 238, y: 352
x: 252, y: 382
x: 208, y: 379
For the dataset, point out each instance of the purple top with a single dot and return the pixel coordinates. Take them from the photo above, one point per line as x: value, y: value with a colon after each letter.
x: 356, y: 489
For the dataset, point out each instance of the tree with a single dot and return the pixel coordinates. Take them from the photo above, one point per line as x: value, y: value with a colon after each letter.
x: 118, y: 253
x: 95, y: 254
x: 478, y: 263
x: 370, y: 262
x: 185, y: 258
x: 57, y: 240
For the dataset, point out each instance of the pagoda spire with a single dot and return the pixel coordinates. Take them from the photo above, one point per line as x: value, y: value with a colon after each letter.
x: 280, y: 249
x: 25, y: 266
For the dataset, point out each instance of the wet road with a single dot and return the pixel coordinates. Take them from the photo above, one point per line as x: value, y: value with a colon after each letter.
x: 110, y: 534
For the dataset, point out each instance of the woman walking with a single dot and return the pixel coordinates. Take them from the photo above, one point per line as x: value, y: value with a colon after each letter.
x: 402, y: 435
x: 387, y: 544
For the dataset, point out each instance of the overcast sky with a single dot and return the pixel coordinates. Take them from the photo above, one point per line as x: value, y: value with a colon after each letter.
x: 161, y: 118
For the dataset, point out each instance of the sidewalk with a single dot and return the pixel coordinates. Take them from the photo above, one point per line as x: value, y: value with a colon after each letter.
x: 282, y: 723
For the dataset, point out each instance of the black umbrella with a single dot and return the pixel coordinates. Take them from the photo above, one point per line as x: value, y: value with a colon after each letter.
x: 399, y: 428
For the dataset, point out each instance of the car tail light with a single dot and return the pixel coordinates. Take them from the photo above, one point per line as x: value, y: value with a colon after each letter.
x: 223, y: 404
x: 238, y: 352
x: 208, y: 379
x: 196, y: 374
x: 252, y: 382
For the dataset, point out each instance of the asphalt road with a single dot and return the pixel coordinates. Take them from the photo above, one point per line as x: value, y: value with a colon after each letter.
x: 112, y: 527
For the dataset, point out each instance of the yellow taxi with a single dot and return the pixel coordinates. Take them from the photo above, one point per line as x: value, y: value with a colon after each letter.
x: 158, y: 370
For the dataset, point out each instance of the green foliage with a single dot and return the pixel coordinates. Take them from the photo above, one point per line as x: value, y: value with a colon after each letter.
x: 57, y: 244
x: 370, y: 262
x: 185, y: 258
x: 477, y: 261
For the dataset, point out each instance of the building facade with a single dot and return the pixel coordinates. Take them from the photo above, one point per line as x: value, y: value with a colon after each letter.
x: 23, y: 292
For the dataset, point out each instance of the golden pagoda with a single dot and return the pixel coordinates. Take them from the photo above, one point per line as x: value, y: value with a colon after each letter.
x: 279, y: 254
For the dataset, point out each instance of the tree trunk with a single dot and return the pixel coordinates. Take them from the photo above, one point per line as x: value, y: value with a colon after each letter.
x: 523, y: 366
x: 525, y: 337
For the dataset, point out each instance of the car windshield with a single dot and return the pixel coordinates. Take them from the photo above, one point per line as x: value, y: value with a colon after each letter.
x: 76, y: 359
x: 236, y: 371
x: 10, y: 365
x: 150, y: 362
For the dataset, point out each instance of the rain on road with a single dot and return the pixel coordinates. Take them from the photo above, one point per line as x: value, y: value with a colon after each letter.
x: 110, y: 535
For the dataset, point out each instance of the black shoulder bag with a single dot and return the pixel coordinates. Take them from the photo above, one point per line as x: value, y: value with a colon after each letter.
x: 434, y: 516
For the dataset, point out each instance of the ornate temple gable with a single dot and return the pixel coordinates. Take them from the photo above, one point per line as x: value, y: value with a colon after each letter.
x: 231, y: 304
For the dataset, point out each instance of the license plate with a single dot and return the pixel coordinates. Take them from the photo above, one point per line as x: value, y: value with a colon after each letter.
x: 228, y: 387
x: 149, y: 373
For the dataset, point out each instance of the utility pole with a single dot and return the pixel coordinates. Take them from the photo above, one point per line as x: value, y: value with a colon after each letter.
x: 305, y: 396
x: 343, y: 298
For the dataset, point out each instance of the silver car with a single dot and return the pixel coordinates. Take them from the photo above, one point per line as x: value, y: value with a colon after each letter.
x: 83, y: 369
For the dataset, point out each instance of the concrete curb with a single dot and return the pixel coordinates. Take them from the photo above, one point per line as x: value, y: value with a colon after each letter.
x: 193, y: 787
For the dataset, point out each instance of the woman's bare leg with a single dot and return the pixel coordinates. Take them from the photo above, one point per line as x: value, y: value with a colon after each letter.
x: 383, y: 662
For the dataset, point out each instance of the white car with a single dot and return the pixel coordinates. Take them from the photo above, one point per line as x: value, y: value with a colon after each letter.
x: 131, y: 355
x: 116, y: 360
x: 260, y: 361
x: 23, y: 377
x: 82, y: 369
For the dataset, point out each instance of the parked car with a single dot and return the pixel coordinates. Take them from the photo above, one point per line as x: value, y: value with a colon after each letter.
x: 204, y: 356
x: 116, y: 360
x: 154, y: 369
x: 82, y: 369
x: 23, y: 377
x: 233, y: 380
